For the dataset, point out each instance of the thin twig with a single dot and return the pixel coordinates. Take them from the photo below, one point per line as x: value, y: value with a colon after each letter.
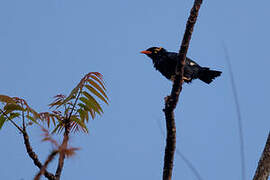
x: 185, y: 159
x: 20, y: 129
x: 42, y: 170
x: 189, y: 164
x: 263, y: 169
x: 238, y: 112
x: 74, y: 105
x: 171, y: 101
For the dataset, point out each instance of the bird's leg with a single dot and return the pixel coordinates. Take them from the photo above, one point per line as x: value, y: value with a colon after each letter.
x: 186, y: 79
x: 183, y: 80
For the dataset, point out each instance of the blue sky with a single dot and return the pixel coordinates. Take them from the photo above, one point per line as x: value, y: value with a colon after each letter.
x: 48, y: 45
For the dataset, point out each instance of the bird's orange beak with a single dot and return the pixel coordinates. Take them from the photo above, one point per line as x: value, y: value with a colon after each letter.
x: 146, y: 52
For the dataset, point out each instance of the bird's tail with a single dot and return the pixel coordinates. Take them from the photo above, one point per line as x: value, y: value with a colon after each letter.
x: 207, y: 75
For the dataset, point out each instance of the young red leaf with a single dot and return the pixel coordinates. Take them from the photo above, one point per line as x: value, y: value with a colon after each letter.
x: 79, y: 122
x: 93, y: 83
x: 2, y: 121
x: 14, y: 115
x: 9, y: 107
x: 98, y: 80
x: 96, y: 93
x: 91, y: 103
x: 32, y: 119
x: 6, y: 99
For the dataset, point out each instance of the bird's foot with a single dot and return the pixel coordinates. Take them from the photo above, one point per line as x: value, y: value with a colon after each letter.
x: 186, y: 79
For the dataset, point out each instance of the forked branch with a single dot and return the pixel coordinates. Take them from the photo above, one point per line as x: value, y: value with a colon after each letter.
x: 43, y: 169
x: 34, y: 157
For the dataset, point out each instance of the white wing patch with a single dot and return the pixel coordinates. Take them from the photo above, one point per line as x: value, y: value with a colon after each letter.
x: 192, y: 63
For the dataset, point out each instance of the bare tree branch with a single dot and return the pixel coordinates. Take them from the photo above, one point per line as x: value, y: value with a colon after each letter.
x: 171, y: 101
x: 238, y: 112
x: 185, y: 159
x: 62, y: 149
x: 42, y: 170
x: 263, y: 169
x: 29, y: 148
x: 34, y: 157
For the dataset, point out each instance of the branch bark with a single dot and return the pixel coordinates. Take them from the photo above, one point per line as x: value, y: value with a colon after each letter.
x: 29, y: 148
x: 43, y: 169
x: 171, y: 101
x: 263, y: 169
x: 62, y: 149
x: 34, y: 157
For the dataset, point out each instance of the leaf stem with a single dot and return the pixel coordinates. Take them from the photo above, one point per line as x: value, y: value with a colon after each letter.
x: 20, y: 129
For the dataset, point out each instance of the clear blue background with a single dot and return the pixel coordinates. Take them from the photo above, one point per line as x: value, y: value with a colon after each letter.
x: 46, y: 46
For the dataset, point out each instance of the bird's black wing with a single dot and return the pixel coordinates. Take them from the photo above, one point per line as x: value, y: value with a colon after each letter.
x: 191, y: 69
x: 173, y: 56
x: 191, y: 62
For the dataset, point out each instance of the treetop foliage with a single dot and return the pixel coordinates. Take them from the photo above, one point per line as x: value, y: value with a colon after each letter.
x: 76, y: 107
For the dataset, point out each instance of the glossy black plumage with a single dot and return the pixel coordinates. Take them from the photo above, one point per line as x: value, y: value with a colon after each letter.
x: 165, y: 63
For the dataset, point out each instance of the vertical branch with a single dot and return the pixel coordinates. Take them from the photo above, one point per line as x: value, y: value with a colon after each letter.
x: 64, y: 144
x: 263, y: 169
x: 185, y: 159
x: 170, y: 145
x: 171, y: 101
x: 62, y: 149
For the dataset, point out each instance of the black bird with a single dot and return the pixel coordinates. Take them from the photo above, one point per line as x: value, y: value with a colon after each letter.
x: 165, y: 62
